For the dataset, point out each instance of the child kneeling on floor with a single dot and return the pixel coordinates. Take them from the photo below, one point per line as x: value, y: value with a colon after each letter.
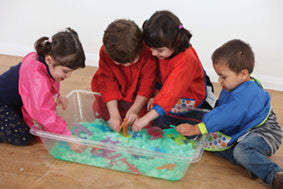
x: 126, y: 74
x: 29, y: 91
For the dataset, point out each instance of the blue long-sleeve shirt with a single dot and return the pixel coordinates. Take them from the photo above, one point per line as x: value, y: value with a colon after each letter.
x: 238, y: 111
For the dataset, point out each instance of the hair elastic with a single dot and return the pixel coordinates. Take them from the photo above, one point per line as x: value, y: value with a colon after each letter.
x: 180, y: 26
x: 50, y: 40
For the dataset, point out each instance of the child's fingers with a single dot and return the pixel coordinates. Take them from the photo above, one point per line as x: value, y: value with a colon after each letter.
x: 118, y: 129
x: 117, y: 126
x: 77, y: 147
x: 179, y: 127
x: 80, y: 148
x: 112, y: 126
x: 64, y: 106
x: 134, y: 127
x: 131, y: 119
x: 149, y: 107
x: 182, y: 129
x: 64, y: 102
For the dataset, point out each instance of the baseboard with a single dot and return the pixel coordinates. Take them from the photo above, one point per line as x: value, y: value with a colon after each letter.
x: 268, y: 82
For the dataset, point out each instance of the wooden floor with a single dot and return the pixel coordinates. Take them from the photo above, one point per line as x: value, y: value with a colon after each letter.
x: 33, y: 167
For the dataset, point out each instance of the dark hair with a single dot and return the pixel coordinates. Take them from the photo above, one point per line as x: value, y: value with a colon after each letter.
x: 65, y: 47
x: 122, y: 40
x: 164, y: 29
x: 236, y: 54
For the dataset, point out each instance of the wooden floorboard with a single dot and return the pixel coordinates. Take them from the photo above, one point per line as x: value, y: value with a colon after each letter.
x: 32, y: 166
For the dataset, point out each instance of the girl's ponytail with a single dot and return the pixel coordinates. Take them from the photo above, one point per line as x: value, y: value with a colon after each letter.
x: 183, y: 39
x: 42, y: 46
x: 64, y: 47
x: 70, y: 30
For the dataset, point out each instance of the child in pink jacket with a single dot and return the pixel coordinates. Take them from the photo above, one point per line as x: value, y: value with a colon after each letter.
x: 29, y: 91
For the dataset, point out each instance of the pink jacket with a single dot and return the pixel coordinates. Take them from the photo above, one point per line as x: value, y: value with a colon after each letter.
x: 39, y: 92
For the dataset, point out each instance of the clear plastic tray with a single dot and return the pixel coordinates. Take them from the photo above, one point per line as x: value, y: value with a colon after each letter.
x: 121, y: 156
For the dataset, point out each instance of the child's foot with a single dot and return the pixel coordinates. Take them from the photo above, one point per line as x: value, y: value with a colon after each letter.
x: 277, y: 182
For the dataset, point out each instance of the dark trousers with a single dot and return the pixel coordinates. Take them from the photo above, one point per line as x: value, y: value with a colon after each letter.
x: 193, y: 117
x: 13, y: 129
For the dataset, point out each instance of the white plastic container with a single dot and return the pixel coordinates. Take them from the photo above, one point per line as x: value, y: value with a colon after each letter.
x: 150, y: 162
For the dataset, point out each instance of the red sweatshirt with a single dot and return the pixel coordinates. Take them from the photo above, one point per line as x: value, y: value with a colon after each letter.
x: 118, y: 82
x: 182, y: 82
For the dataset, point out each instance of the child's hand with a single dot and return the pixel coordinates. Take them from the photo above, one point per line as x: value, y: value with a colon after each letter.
x: 150, y: 104
x: 115, y: 123
x: 131, y: 117
x: 79, y: 148
x: 63, y: 101
x: 187, y: 129
x: 139, y: 124
x: 145, y: 120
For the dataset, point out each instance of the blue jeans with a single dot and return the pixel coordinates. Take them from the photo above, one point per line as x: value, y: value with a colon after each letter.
x: 251, y: 153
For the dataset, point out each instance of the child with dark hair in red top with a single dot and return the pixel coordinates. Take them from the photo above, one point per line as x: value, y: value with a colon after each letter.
x: 182, y: 84
x: 126, y: 74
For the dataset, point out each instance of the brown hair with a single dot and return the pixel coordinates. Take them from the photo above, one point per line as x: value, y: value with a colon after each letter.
x: 122, y: 40
x: 164, y: 29
x: 65, y: 47
x: 236, y: 54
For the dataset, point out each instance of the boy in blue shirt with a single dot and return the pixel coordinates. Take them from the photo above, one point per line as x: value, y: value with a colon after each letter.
x: 243, y: 127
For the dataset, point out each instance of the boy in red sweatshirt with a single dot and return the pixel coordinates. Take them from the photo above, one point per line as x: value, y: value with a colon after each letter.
x: 126, y: 74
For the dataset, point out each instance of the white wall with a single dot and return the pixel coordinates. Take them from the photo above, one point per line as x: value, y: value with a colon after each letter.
x: 258, y: 22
